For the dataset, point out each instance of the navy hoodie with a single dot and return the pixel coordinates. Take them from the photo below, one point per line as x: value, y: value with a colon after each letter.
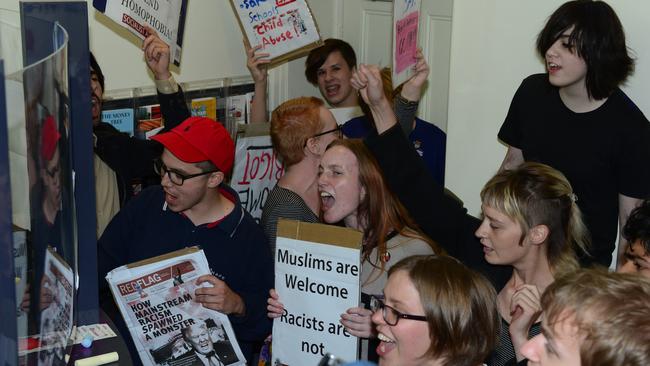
x: 236, y: 248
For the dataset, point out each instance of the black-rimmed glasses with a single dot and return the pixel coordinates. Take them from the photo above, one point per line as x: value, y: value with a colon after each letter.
x: 337, y: 130
x: 390, y: 314
x: 175, y: 177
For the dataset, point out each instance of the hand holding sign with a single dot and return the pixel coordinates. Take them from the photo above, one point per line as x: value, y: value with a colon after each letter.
x: 412, y: 89
x: 275, y: 308
x: 219, y: 297
x: 156, y: 54
x: 257, y: 63
x: 357, y: 321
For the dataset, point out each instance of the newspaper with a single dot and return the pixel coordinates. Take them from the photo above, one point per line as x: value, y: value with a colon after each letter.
x: 156, y: 299
x: 56, y: 300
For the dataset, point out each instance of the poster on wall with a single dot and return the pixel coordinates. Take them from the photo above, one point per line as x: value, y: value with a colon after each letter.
x: 406, y: 16
x: 167, y: 17
x: 257, y: 168
x: 317, y: 278
x: 122, y: 119
x: 286, y: 28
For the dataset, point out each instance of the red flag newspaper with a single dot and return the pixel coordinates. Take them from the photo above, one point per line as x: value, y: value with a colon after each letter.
x: 156, y: 299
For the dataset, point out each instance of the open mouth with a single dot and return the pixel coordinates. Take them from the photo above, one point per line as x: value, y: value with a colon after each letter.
x: 327, y: 200
x: 332, y: 90
x: 385, y: 345
x: 553, y: 67
x: 170, y: 198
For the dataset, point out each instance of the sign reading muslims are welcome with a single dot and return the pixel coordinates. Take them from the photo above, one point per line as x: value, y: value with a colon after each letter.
x: 317, y: 278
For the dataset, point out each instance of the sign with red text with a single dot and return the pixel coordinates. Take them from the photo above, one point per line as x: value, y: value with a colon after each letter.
x: 406, y: 16
x: 166, y: 17
x: 157, y: 300
x: 286, y: 28
x: 257, y: 170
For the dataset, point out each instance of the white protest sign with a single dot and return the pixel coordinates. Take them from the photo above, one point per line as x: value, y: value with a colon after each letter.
x: 255, y: 173
x: 284, y: 27
x: 406, y: 16
x: 316, y: 283
x: 166, y: 17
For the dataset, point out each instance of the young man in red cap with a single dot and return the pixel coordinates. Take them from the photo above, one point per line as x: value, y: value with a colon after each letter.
x: 193, y: 206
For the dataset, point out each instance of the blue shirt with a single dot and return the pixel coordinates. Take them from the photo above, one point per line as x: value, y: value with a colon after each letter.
x: 428, y: 140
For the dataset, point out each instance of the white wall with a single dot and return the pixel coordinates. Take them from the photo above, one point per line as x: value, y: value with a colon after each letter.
x: 212, y: 46
x: 492, y: 51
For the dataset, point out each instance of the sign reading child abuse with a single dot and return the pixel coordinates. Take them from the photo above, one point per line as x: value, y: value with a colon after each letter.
x: 167, y: 17
x: 286, y: 28
x: 317, y: 278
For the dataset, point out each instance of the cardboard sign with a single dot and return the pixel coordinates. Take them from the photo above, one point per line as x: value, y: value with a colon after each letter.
x: 257, y: 168
x: 317, y: 271
x: 167, y: 17
x: 406, y: 15
x: 286, y: 28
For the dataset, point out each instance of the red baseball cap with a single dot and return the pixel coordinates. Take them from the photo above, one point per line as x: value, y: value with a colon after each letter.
x: 199, y: 139
x: 49, y: 138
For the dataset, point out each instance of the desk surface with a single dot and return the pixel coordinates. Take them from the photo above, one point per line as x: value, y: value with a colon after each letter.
x: 107, y: 345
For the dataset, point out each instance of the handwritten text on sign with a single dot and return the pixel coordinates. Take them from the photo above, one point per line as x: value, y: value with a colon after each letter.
x: 282, y: 26
x: 406, y: 15
x: 256, y: 172
x: 317, y: 283
x: 406, y: 39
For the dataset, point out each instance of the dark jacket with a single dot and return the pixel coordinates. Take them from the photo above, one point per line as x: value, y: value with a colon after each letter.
x: 236, y: 249
x: 132, y: 158
x: 438, y: 215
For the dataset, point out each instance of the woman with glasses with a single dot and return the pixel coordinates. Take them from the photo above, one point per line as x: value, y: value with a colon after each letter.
x: 353, y: 192
x: 531, y: 224
x: 301, y: 129
x: 435, y: 311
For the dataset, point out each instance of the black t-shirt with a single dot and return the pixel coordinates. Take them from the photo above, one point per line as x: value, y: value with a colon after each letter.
x: 602, y: 153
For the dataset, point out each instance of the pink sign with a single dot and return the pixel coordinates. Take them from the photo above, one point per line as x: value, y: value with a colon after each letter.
x: 406, y: 40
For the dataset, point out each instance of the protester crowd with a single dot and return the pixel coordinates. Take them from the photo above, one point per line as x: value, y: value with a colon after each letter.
x: 525, y: 283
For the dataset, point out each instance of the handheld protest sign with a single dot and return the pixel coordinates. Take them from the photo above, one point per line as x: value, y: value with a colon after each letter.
x: 317, y: 270
x: 286, y: 28
x: 257, y: 168
x: 406, y: 16
x: 166, y: 17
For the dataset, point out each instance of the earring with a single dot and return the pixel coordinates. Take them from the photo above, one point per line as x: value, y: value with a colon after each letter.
x: 385, y: 256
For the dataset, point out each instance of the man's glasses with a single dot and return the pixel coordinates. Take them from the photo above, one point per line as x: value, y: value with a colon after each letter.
x: 175, y: 177
x: 390, y: 314
x: 337, y: 129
